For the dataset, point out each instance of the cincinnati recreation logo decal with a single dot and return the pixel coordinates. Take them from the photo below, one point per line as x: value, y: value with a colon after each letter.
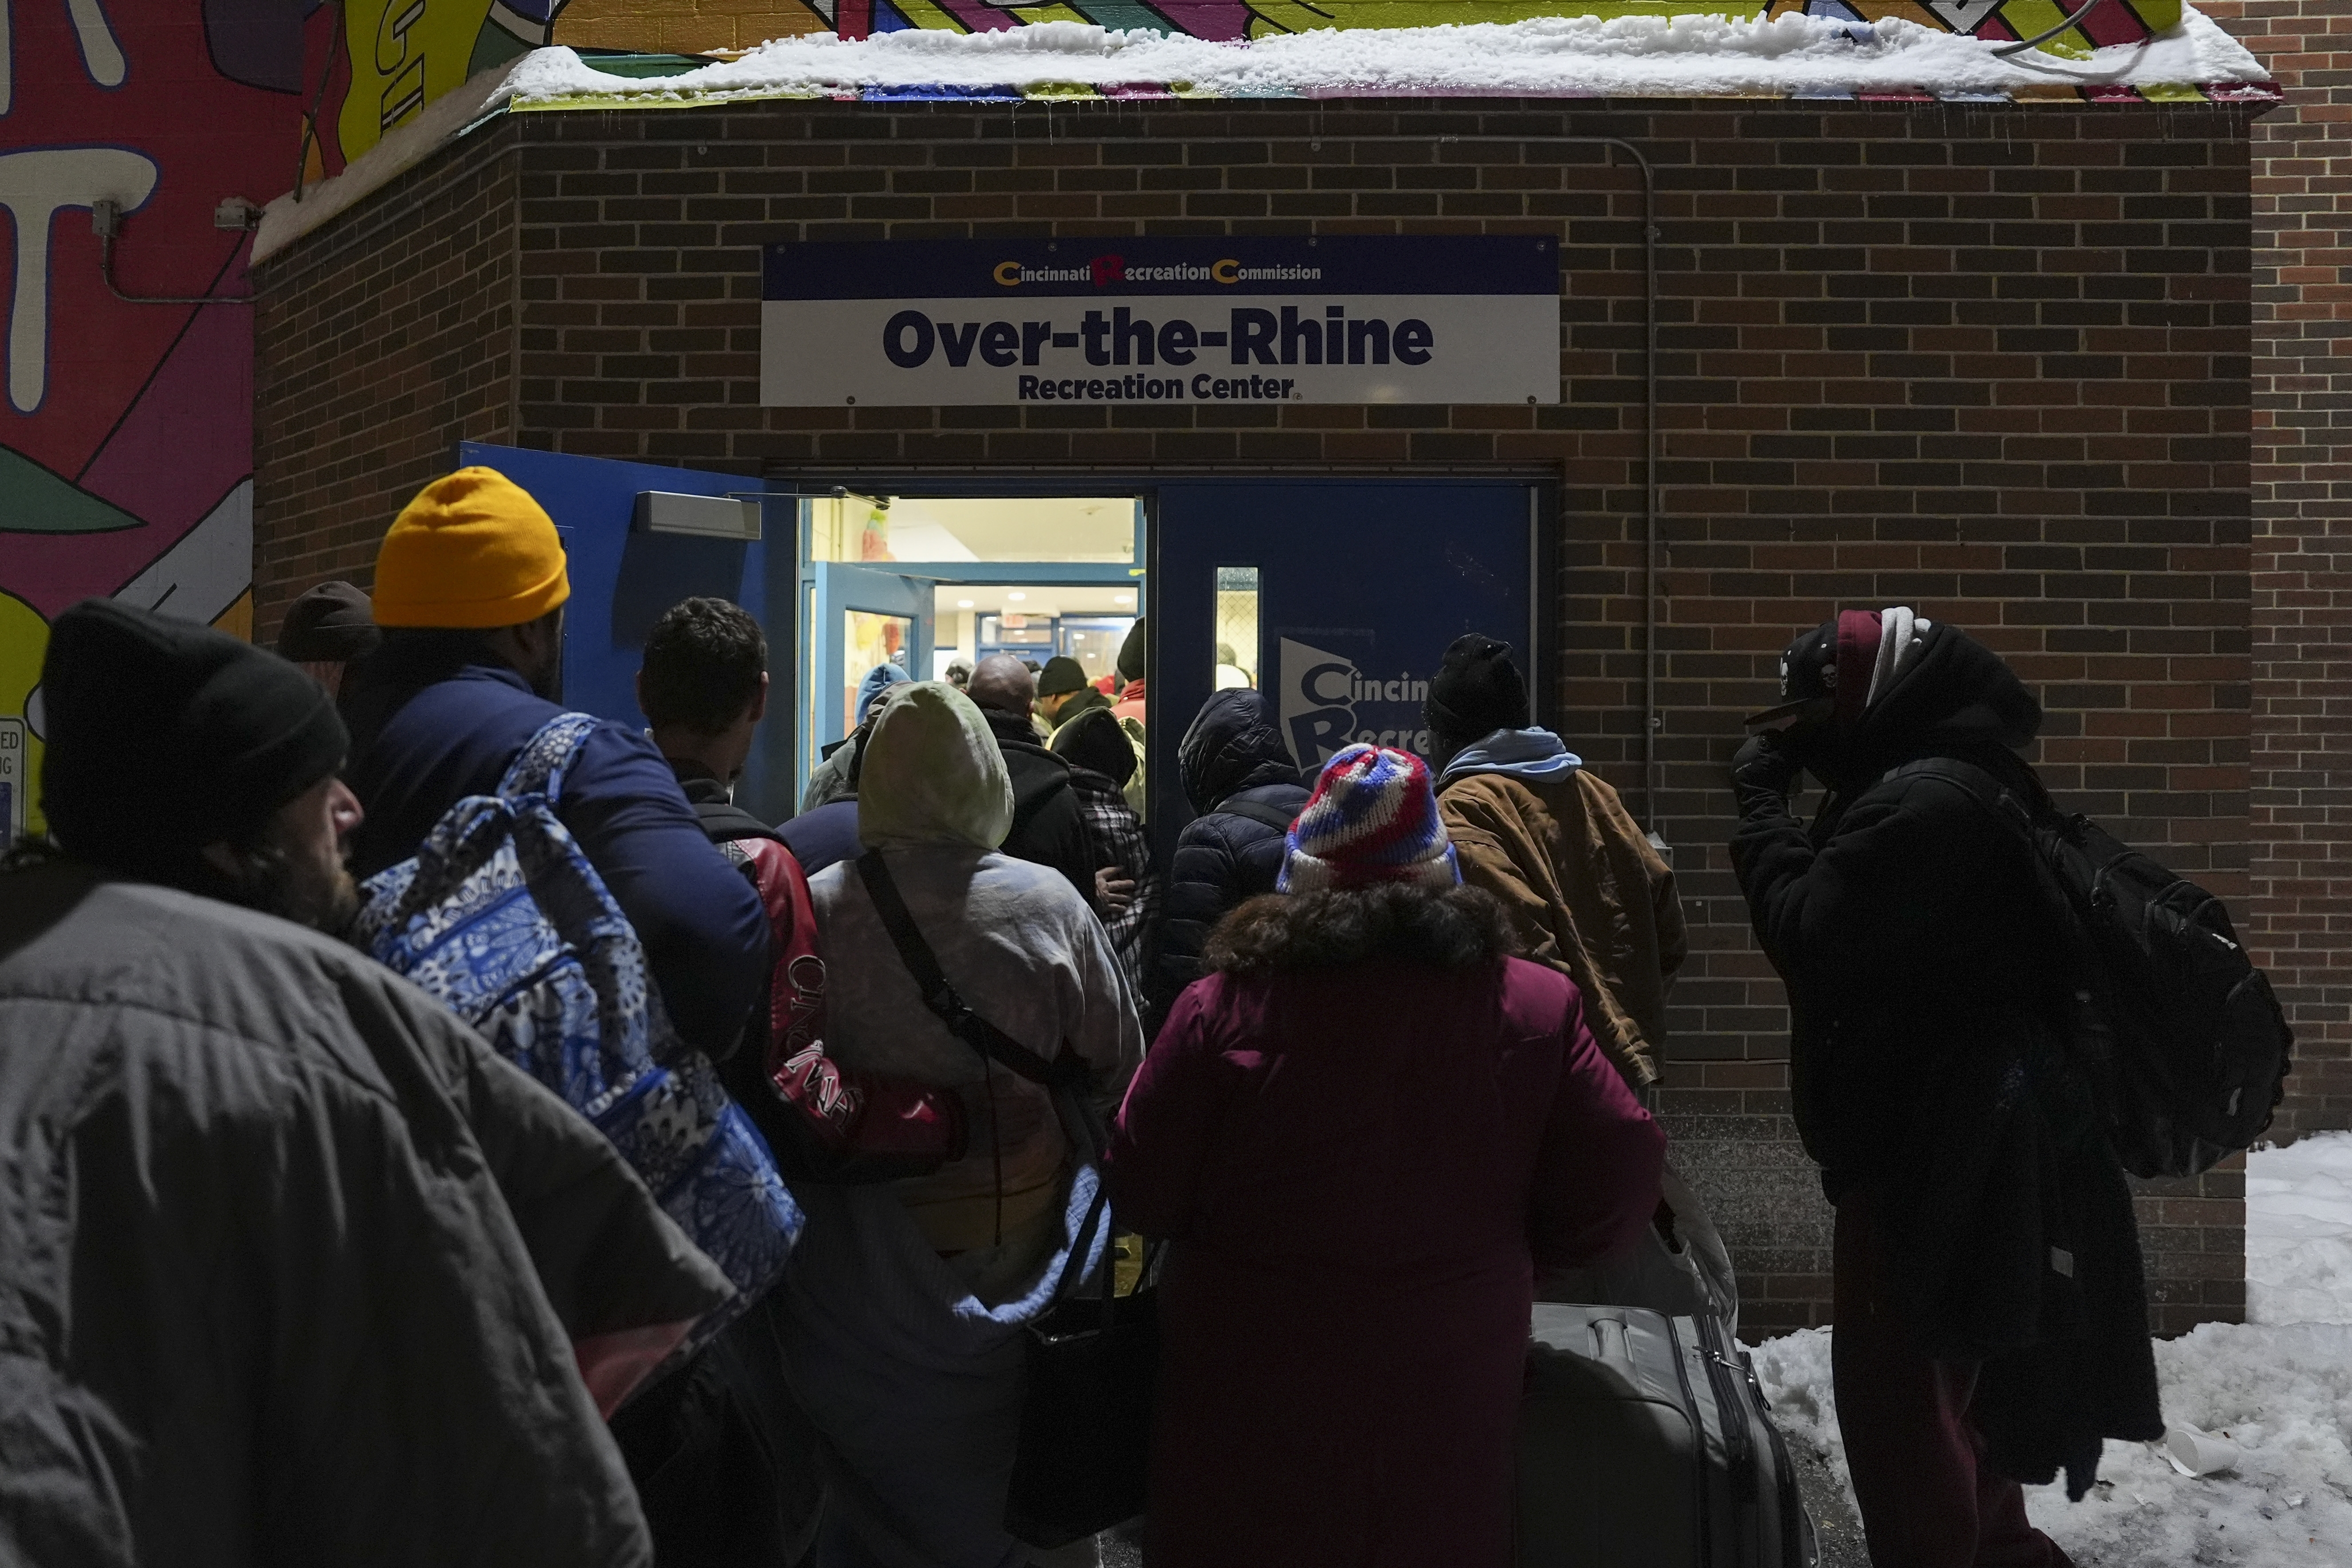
x: 1105, y: 270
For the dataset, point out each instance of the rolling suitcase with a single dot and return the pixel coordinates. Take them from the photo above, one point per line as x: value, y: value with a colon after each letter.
x: 1647, y: 1440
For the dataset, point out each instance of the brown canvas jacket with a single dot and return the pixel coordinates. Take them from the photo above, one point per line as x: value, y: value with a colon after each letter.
x: 1585, y: 892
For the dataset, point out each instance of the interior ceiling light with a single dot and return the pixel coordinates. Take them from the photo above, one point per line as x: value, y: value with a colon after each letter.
x: 1122, y: 598
x: 1016, y: 598
x: 963, y: 603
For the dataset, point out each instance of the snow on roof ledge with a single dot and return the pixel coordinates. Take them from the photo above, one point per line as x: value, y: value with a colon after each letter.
x: 1793, y: 56
x: 1700, y: 56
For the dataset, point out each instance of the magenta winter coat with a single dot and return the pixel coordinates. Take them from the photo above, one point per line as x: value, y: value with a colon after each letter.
x: 1356, y: 1164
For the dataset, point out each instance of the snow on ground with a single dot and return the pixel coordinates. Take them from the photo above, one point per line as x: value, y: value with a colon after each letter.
x: 2283, y: 1392
x: 1553, y: 56
x: 2279, y: 1389
x: 2299, y: 1231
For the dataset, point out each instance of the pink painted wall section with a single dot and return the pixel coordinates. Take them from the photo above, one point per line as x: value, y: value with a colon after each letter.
x: 126, y: 430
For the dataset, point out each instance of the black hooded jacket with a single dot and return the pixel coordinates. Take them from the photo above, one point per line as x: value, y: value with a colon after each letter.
x: 1232, y: 755
x: 1926, y: 995
x: 1049, y: 826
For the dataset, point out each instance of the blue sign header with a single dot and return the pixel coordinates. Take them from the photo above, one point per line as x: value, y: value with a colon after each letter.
x: 1322, y: 265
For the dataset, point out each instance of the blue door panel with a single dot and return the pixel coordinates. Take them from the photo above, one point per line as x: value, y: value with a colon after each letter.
x: 621, y: 580
x: 1362, y: 584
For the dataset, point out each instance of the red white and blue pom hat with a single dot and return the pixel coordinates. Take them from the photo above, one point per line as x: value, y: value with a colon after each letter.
x: 1373, y: 818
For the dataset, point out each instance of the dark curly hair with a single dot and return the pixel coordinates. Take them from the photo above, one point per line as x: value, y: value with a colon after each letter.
x: 703, y: 658
x: 1453, y: 928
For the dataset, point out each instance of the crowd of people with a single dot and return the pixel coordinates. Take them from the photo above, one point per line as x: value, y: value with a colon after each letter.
x: 295, y: 1267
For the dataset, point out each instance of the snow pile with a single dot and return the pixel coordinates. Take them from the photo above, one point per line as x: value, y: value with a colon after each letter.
x: 2299, y: 1231
x: 1795, y: 1371
x: 2279, y: 1389
x: 2283, y: 1394
x: 1692, y: 56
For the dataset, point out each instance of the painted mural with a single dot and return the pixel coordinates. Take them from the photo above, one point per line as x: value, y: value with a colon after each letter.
x: 374, y: 63
x: 2115, y: 22
x: 126, y: 432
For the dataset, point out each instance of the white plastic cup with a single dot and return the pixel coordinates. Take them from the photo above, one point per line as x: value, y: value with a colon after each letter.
x: 2196, y: 1453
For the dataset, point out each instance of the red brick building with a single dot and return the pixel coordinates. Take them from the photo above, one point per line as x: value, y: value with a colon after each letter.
x: 1989, y: 359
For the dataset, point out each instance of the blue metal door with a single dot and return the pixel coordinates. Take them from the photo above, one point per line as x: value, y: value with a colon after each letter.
x: 622, y: 580
x: 1360, y: 584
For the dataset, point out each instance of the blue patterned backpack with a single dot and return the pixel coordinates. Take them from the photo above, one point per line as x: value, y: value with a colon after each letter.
x: 501, y: 917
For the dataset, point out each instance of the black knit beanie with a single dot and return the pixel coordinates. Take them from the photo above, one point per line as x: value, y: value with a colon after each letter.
x: 164, y: 736
x: 1477, y: 690
x: 1093, y: 740
x: 1062, y: 673
x: 1131, y: 652
x: 332, y: 621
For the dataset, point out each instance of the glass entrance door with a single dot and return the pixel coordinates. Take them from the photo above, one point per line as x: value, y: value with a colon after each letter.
x: 859, y: 618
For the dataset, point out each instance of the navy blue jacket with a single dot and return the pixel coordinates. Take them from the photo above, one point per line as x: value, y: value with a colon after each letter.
x: 419, y: 745
x: 819, y: 839
x: 1232, y: 753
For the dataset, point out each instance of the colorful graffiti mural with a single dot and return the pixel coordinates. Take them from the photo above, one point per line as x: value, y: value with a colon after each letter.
x: 374, y: 63
x: 2115, y: 22
x: 126, y: 434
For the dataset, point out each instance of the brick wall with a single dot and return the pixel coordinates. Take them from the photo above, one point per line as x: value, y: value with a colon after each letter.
x: 1988, y: 362
x: 398, y: 344
x: 2302, y: 905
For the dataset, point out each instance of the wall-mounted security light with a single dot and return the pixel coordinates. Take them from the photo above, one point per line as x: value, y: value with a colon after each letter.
x: 703, y: 517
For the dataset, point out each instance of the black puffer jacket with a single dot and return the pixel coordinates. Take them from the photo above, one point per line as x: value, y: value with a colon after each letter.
x: 1232, y: 755
x: 1926, y: 993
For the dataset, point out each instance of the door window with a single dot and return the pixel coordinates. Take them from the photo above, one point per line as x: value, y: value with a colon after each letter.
x: 1236, y: 649
x: 867, y: 640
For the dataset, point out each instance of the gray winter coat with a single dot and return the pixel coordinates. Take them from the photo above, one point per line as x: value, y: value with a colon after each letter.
x: 291, y: 1264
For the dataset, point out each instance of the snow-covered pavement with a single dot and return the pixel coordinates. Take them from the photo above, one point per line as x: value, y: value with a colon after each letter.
x: 2278, y: 1387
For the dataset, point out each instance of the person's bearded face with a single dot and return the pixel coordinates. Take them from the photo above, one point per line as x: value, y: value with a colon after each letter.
x: 297, y: 870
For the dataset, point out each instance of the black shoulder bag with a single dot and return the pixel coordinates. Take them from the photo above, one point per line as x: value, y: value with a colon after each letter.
x: 1083, y: 1452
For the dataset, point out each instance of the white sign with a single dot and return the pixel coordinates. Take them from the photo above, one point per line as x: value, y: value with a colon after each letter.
x: 1356, y: 318
x: 15, y: 781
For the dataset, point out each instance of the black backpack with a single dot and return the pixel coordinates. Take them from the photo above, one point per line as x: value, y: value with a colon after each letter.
x: 2180, y: 1035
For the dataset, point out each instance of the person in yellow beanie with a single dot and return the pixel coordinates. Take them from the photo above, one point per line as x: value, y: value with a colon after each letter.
x: 472, y: 551
x: 469, y: 591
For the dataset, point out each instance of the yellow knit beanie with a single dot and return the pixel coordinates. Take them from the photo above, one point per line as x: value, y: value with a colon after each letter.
x: 473, y: 550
